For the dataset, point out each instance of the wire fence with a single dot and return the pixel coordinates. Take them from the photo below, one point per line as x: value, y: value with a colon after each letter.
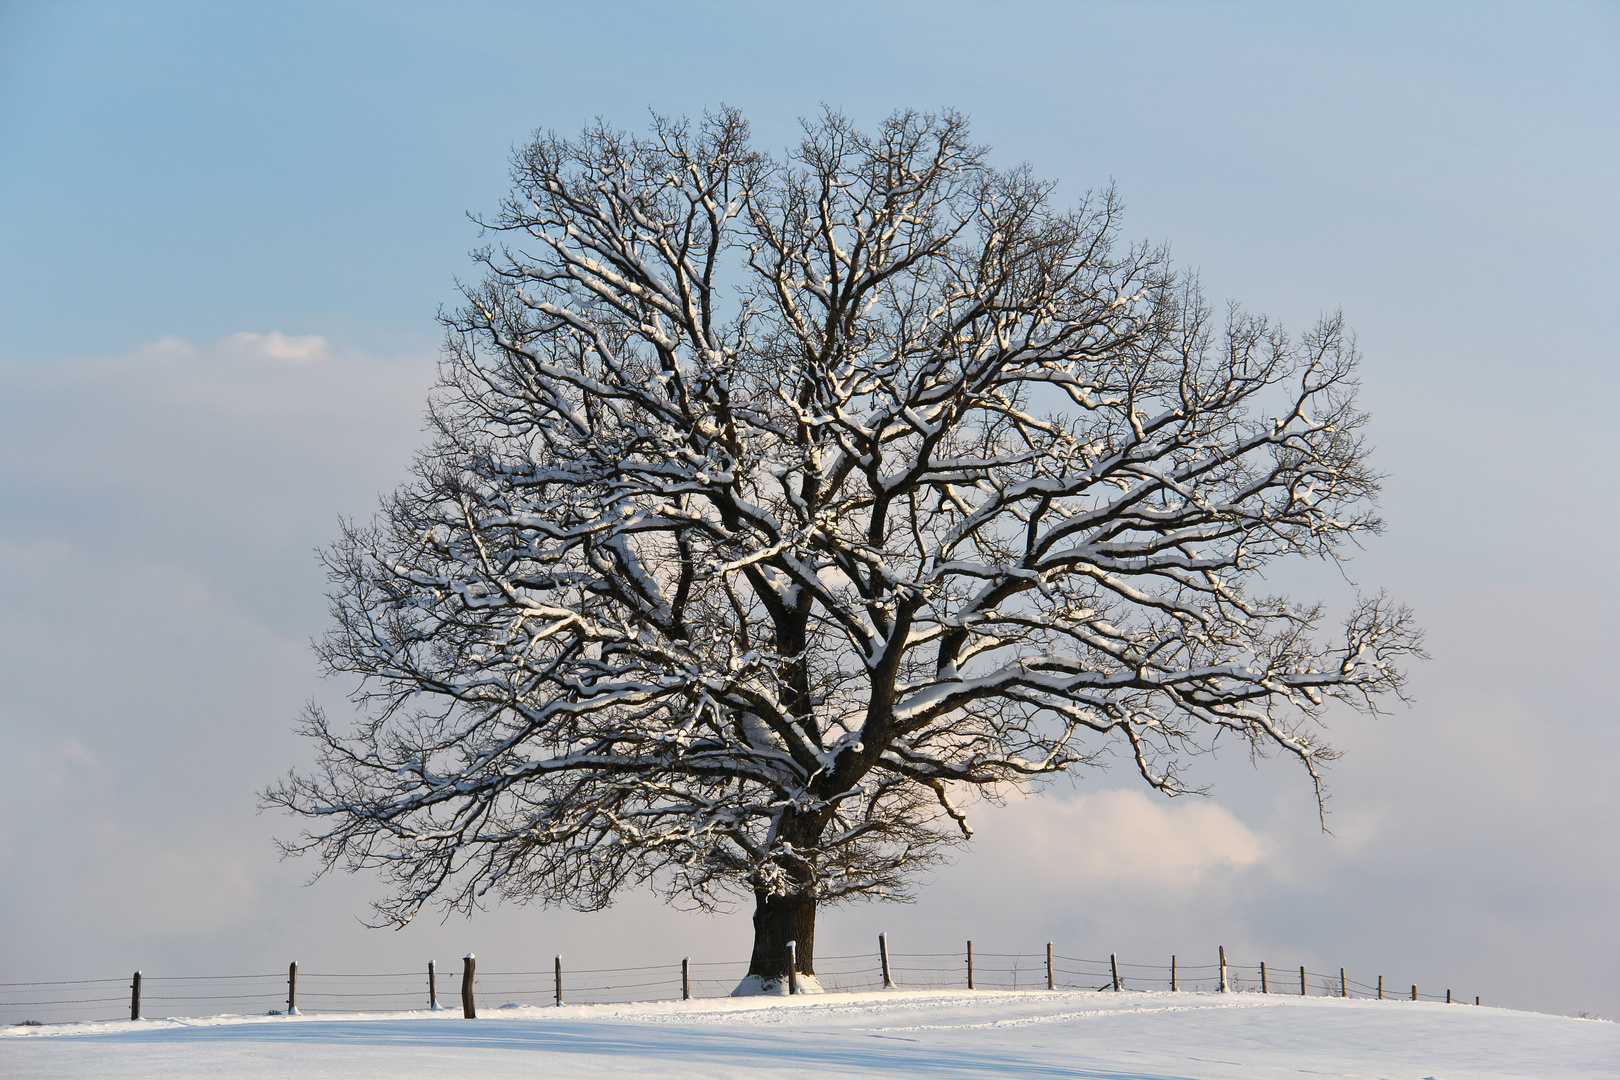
x: 312, y: 992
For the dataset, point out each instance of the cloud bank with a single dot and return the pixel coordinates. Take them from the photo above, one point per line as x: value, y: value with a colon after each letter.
x: 158, y: 590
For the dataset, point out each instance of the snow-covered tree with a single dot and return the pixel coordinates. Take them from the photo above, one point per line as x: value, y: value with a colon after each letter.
x: 774, y: 505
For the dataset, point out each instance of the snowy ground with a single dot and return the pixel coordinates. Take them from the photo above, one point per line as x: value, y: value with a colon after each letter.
x: 933, y: 1035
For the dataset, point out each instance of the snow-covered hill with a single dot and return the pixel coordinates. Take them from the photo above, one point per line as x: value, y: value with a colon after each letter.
x: 936, y: 1035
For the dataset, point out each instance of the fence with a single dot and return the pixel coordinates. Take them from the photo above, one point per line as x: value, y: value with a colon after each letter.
x: 306, y: 992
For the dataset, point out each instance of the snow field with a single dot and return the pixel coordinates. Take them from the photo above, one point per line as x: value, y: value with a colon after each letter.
x: 936, y: 1035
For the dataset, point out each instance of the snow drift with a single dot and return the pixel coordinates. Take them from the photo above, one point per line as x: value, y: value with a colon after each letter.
x: 936, y: 1035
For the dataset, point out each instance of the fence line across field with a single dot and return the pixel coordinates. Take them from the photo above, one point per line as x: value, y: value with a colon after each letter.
x: 357, y: 992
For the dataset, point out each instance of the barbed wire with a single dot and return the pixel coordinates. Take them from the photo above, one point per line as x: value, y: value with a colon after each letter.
x: 205, y: 978
x: 841, y: 972
x: 64, y: 982
x: 207, y: 997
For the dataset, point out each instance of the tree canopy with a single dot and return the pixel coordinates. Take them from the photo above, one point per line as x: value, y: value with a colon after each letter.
x: 773, y: 504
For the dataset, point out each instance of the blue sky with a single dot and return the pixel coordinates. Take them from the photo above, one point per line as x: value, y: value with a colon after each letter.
x: 178, y: 182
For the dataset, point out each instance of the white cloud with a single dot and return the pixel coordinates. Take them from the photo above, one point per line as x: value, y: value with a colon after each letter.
x: 277, y: 346
x: 167, y: 345
x: 58, y: 770
x: 1126, y: 837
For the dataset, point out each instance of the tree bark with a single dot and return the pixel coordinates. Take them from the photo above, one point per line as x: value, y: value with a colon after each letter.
x: 777, y: 921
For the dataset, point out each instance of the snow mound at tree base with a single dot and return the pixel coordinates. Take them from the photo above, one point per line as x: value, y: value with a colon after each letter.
x: 756, y: 985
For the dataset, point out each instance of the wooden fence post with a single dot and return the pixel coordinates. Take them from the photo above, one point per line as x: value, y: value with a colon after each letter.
x: 883, y: 955
x: 1380, y: 988
x: 686, y: 978
x: 970, y: 965
x: 135, y: 997
x: 469, y: 1008
x: 1448, y: 997
x: 1172, y: 972
x: 1113, y: 966
x: 559, y: 979
x: 1302, y: 991
x: 1414, y: 991
x: 1264, y: 989
x: 433, y: 988
x: 1476, y: 999
x: 793, y: 967
x: 1223, y: 969
x: 1344, y: 986
x: 292, y: 988
x: 1049, y: 983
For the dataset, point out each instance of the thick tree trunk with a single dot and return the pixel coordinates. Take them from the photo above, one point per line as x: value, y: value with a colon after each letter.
x: 777, y: 921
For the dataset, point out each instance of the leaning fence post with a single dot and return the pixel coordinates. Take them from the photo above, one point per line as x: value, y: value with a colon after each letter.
x: 1113, y: 966
x: 970, y: 965
x: 1302, y: 991
x: 1172, y: 972
x: 469, y: 964
x: 686, y: 978
x: 433, y: 988
x: 1049, y: 984
x: 1223, y: 969
x: 1264, y: 989
x: 135, y: 998
x: 559, y: 979
x: 793, y: 967
x: 1344, y: 987
x: 292, y: 988
x: 883, y: 954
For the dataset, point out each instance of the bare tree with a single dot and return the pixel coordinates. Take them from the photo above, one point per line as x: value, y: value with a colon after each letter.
x: 773, y: 505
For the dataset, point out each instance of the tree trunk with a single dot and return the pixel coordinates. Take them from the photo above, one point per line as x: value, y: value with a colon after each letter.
x: 777, y: 921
